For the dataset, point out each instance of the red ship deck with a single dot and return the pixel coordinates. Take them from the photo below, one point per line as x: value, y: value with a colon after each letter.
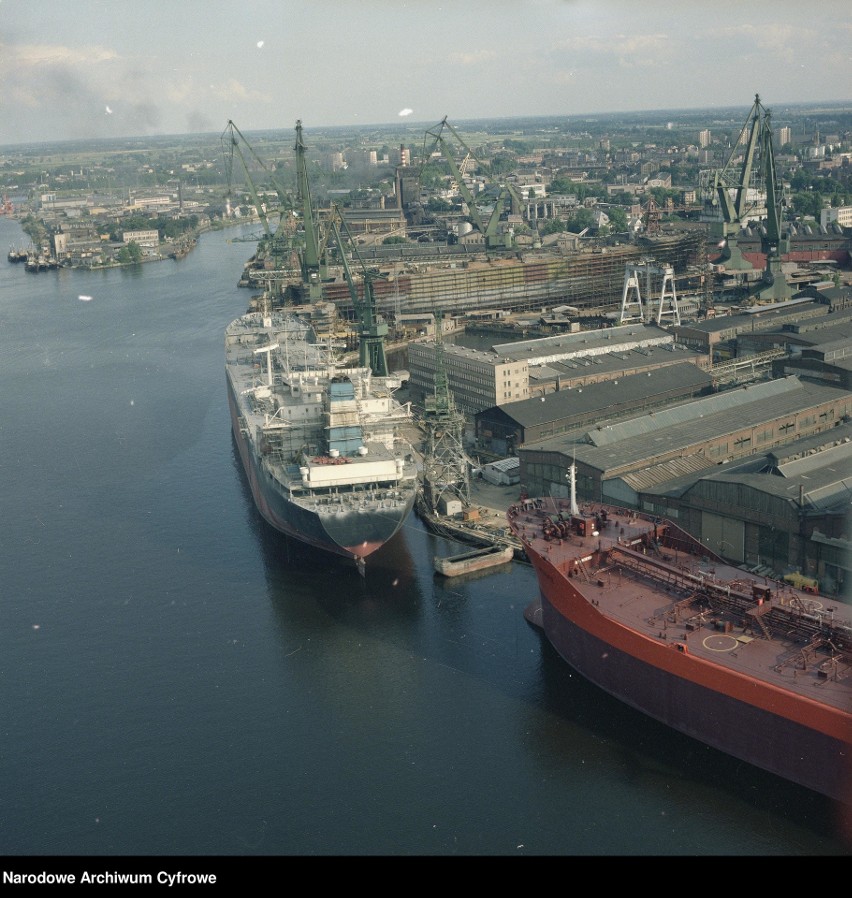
x: 642, y: 609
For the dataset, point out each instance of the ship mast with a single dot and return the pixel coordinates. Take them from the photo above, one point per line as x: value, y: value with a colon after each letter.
x: 572, y: 479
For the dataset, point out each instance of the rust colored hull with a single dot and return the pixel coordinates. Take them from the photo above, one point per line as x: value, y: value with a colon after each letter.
x: 765, y: 713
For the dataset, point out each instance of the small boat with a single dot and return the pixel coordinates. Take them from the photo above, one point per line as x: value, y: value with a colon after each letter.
x: 474, y: 560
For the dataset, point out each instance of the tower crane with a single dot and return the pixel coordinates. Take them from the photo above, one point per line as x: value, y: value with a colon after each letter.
x: 507, y: 196
x: 372, y: 327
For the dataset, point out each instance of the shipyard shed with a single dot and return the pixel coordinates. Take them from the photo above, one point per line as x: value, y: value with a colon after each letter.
x: 584, y: 344
x: 587, y: 357
x: 619, y: 363
x: 826, y: 362
x: 707, y: 335
x: 793, y: 336
x: 501, y: 429
x: 715, y: 430
x: 780, y: 511
x: 505, y: 472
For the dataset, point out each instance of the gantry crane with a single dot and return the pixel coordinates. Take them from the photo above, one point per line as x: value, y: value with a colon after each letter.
x: 373, y: 328
x: 507, y: 198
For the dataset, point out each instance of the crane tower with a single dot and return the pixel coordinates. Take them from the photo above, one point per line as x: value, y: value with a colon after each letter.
x: 446, y: 467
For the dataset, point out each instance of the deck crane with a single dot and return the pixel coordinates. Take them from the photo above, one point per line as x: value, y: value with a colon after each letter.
x: 507, y: 196
x: 373, y: 328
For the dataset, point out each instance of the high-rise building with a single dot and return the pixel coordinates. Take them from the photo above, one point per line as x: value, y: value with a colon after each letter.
x: 704, y: 138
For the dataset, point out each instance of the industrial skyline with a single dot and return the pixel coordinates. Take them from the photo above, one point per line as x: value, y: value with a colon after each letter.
x: 92, y: 69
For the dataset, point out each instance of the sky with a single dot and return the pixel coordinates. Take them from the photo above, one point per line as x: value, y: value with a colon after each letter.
x: 72, y: 69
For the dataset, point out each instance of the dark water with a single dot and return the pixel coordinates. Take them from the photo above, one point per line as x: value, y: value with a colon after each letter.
x: 177, y: 680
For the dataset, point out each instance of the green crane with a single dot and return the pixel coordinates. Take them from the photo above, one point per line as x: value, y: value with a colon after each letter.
x: 733, y: 189
x: 311, y: 256
x: 507, y: 198
x: 373, y: 328
x: 233, y: 140
x: 735, y: 192
x: 775, y: 244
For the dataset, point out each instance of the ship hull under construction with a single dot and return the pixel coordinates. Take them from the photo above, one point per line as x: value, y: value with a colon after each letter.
x: 747, y: 666
x: 460, y: 282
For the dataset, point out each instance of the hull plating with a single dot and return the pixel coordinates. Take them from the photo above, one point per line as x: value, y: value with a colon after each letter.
x: 757, y: 696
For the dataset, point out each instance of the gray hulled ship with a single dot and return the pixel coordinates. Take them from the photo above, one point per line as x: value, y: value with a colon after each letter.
x: 321, y: 443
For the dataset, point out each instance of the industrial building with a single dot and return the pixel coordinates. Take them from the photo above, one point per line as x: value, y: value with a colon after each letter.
x: 829, y: 362
x: 616, y: 462
x: 574, y: 360
x: 512, y: 372
x: 708, y: 335
x: 477, y: 379
x: 788, y: 509
x: 502, y: 429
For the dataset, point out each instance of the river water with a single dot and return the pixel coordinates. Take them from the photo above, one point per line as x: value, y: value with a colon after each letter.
x: 176, y: 679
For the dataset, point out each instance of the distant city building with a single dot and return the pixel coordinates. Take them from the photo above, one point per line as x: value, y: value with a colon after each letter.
x: 842, y: 215
x: 143, y: 238
x: 704, y: 138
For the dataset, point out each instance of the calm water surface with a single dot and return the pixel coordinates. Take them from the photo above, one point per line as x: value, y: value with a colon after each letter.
x: 176, y: 679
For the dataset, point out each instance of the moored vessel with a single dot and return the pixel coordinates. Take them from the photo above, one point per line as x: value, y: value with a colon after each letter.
x: 321, y: 443
x: 748, y: 665
x: 473, y: 560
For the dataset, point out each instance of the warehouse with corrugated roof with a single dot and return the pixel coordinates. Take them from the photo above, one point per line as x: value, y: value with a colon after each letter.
x: 502, y: 429
x: 614, y: 461
x: 784, y: 511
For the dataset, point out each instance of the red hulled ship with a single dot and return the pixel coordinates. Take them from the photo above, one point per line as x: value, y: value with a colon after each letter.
x: 748, y: 665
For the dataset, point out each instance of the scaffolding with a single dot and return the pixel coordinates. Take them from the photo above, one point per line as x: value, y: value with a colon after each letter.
x: 590, y: 279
